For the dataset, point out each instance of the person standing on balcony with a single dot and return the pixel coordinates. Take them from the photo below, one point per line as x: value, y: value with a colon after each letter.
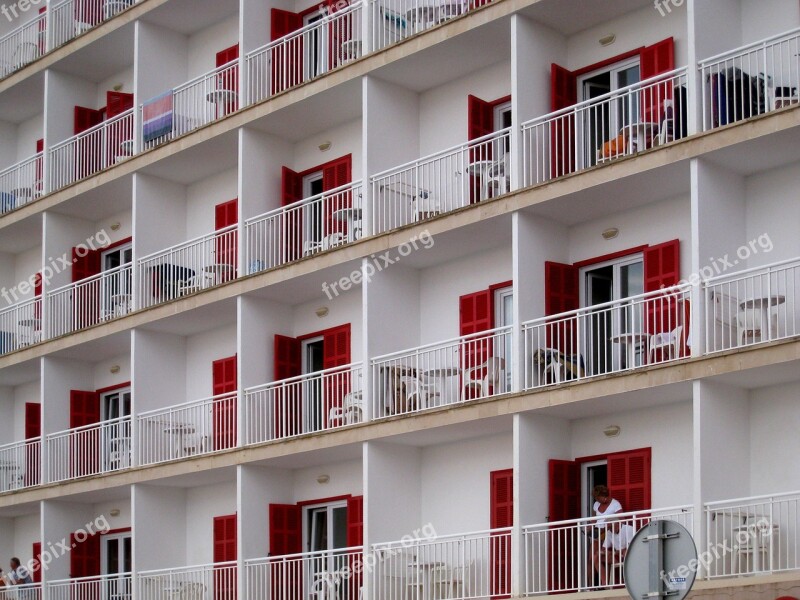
x: 19, y: 575
x: 604, y: 506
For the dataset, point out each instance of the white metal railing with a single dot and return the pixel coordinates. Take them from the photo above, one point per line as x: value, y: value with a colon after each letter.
x: 755, y: 535
x: 563, y: 556
x: 306, y: 576
x: 101, y: 587
x: 751, y: 80
x: 91, y: 151
x: 752, y: 306
x: 202, y: 582
x: 186, y: 268
x: 305, y: 54
x: 23, y: 45
x: 21, y: 183
x: 20, y: 464
x: 304, y: 228
x: 27, y: 591
x: 20, y: 325
x: 442, y: 182
x: 304, y: 404
x: 395, y: 20
x: 619, y: 123
x: 638, y: 331
x: 190, y: 106
x: 188, y: 429
x: 89, y: 450
x: 72, y: 18
x: 458, y: 567
x: 93, y: 300
x: 444, y: 373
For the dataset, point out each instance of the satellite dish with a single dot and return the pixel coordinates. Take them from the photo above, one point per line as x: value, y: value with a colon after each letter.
x: 661, y: 562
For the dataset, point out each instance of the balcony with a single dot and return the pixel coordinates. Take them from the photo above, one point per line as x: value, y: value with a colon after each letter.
x: 443, y: 182
x: 305, y: 54
x: 442, y: 374
x: 21, y: 183
x: 188, y: 429
x: 93, y: 300
x: 216, y: 581
x: 325, y: 573
x: 92, y: 151
x: 23, y: 45
x: 20, y: 465
x: 20, y: 325
x: 117, y: 585
x: 752, y: 80
x: 89, y: 450
x: 558, y: 555
x: 304, y: 228
x: 186, y: 268
x: 310, y: 403
x: 73, y: 18
x: 639, y: 331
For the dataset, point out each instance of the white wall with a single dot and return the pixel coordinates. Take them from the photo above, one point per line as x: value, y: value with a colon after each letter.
x: 203, y: 196
x: 455, y: 494
x: 774, y: 414
x: 204, y: 45
x: 103, y: 377
x: 772, y: 209
x: 59, y: 376
x: 28, y: 133
x: 201, y: 350
x: 262, y: 158
x: 393, y: 495
x: 64, y: 93
x: 258, y: 488
x: 23, y: 394
x: 159, y: 523
x: 122, y: 521
x: 345, y: 139
x: 386, y: 105
x: 61, y: 234
x: 765, y: 18
x: 345, y: 478
x: 388, y: 329
x: 667, y: 430
x: 344, y: 308
x: 165, y: 48
x: 159, y: 214
x: 159, y: 370
x: 202, y: 505
x: 124, y: 77
x: 27, y: 531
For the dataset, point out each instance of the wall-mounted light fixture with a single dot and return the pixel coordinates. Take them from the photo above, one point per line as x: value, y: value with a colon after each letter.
x: 612, y: 431
x: 325, y: 146
x: 610, y: 233
x: 323, y: 479
x: 116, y: 226
x: 114, y: 512
x: 115, y: 369
x: 322, y: 311
x: 608, y: 39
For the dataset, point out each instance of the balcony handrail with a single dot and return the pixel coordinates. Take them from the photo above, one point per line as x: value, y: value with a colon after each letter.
x: 187, y: 84
x: 276, y: 211
x: 459, y: 147
x: 20, y: 304
x: 461, y: 338
x: 672, y: 290
x: 742, y: 49
x: 209, y: 566
x: 439, y: 538
x: 22, y: 27
x: 21, y: 163
x: 305, y: 29
x: 685, y: 508
x: 750, y: 499
x: 101, y: 275
x: 297, y: 555
x: 607, y: 96
x: 91, y: 130
x: 199, y: 238
x: 91, y: 426
x: 305, y: 377
x: 192, y: 403
x: 730, y: 277
x: 12, y: 445
x: 89, y: 579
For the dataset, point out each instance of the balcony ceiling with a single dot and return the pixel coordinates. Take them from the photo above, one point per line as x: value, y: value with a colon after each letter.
x: 23, y: 101
x: 199, y: 479
x: 470, y: 430
x: 22, y: 236
x: 117, y: 344
x: 317, y: 458
x: 190, y: 16
x: 102, y: 59
x: 191, y: 322
x: 761, y: 154
x: 761, y: 377
x: 113, y: 198
x: 571, y: 16
x: 19, y: 374
x: 199, y: 162
x: 21, y: 510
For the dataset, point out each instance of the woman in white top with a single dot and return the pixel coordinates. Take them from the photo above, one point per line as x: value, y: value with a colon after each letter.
x: 604, y: 506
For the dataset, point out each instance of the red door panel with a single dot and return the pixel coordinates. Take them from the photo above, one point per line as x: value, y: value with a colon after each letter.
x: 292, y: 231
x: 476, y: 314
x: 36, y: 572
x: 563, y: 504
x: 563, y: 93
x: 288, y: 400
x: 287, y: 65
x: 224, y: 381
x: 33, y: 429
x: 39, y: 183
x: 501, y: 503
x: 225, y: 551
x: 285, y: 537
x: 335, y: 353
x: 85, y: 299
x: 335, y: 174
x: 84, y: 558
x: 355, y: 538
x: 655, y: 60
x: 228, y: 80
x: 116, y: 104
x: 84, y: 410
x: 629, y: 479
x: 226, y: 252
x: 88, y: 149
x: 561, y: 294
x: 480, y: 122
x: 662, y: 270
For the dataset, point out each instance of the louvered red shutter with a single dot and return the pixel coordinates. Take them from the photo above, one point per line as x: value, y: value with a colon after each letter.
x: 85, y: 302
x: 84, y: 557
x: 563, y: 93
x: 117, y: 103
x: 33, y: 420
x: 228, y: 80
x: 292, y: 191
x: 336, y: 174
x: 629, y: 479
x: 655, y: 60
x: 335, y: 353
x: 355, y: 521
x: 662, y: 270
x: 480, y: 122
x: 287, y: 62
x: 224, y: 384
x: 561, y: 294
x: 84, y: 408
x: 88, y: 149
x: 36, y: 552
x: 288, y: 407
x: 224, y: 543
x: 39, y: 183
x: 226, y: 252
x: 501, y: 506
x: 475, y: 315
x: 86, y: 118
x: 283, y: 22
x: 33, y: 430
x: 285, y: 529
x: 564, y: 489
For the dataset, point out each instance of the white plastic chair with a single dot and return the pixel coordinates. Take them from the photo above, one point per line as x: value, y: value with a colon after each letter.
x: 751, y: 324
x: 493, y: 370
x: 418, y: 394
x: 326, y: 243
x: 426, y: 205
x: 668, y: 342
x: 351, y: 411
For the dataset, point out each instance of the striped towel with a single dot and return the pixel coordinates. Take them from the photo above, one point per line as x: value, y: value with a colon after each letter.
x: 157, y: 117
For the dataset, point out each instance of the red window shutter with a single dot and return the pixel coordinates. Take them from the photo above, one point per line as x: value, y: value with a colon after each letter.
x: 287, y: 357
x: 84, y: 558
x: 336, y: 346
x: 661, y: 270
x: 224, y: 381
x: 228, y: 79
x: 292, y: 191
x: 117, y: 103
x: 629, y: 479
x: 87, y: 265
x: 563, y: 93
x: 283, y: 22
x: 564, y: 490
x: 86, y: 302
x: 84, y: 408
x: 480, y: 117
x: 291, y: 186
x: 225, y: 215
x: 40, y: 145
x: 86, y: 118
x: 561, y: 294
x: 476, y: 314
x: 285, y: 529
x: 501, y: 506
x: 288, y: 401
x: 225, y: 538
x: 336, y: 173
x: 33, y: 420
x: 227, y: 55
x: 654, y: 60
x: 36, y: 552
x: 355, y: 521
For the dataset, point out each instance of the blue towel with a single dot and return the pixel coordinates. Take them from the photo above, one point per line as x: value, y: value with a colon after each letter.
x: 7, y: 202
x: 157, y: 117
